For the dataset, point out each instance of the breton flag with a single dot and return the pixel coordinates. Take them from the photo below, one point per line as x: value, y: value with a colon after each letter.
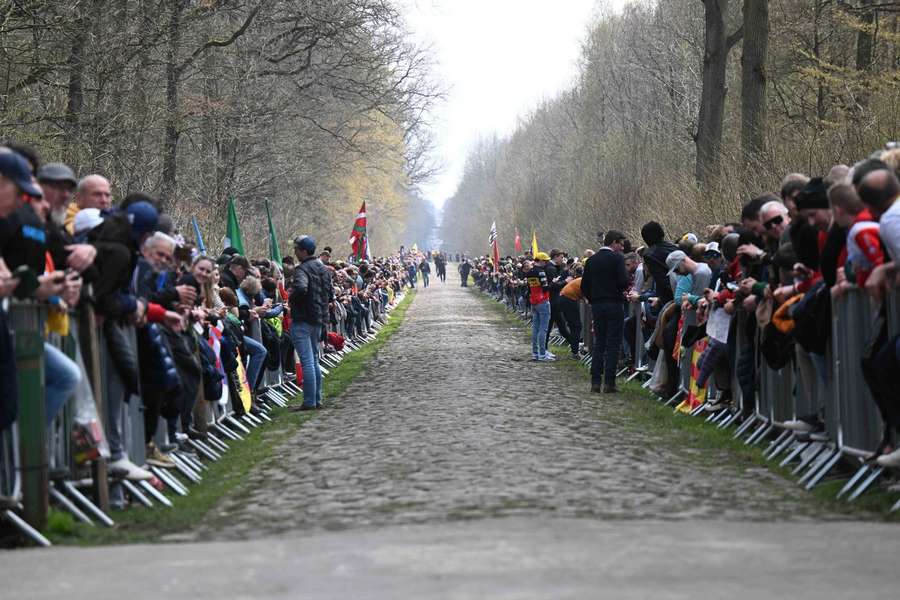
x: 518, y: 242
x: 495, y: 246
x: 358, y: 238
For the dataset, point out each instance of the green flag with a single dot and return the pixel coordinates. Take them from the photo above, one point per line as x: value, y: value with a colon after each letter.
x: 274, y: 250
x: 233, y: 230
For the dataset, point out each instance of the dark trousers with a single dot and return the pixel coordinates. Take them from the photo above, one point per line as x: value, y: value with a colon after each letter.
x: 609, y: 318
x: 556, y: 318
x: 880, y: 369
x: 571, y: 313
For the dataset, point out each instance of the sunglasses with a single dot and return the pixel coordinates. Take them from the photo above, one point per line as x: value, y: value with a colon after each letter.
x: 774, y: 221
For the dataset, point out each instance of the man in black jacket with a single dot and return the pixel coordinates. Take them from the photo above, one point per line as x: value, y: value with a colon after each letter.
x: 603, y: 285
x: 311, y: 295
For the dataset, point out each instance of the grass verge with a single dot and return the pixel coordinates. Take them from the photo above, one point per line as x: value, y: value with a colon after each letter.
x: 643, y: 412
x: 225, y: 477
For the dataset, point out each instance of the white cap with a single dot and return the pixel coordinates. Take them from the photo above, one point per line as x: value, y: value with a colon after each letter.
x: 86, y: 219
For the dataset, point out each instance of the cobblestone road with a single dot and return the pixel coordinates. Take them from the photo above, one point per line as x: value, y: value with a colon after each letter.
x: 452, y: 421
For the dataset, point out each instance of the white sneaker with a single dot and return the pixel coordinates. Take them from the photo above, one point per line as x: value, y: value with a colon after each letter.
x: 130, y: 471
x: 799, y: 426
x: 550, y: 355
x: 889, y: 460
x: 547, y: 358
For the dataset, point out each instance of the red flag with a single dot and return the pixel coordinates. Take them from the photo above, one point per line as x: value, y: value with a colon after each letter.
x: 495, y: 246
x: 358, y: 238
x: 518, y: 242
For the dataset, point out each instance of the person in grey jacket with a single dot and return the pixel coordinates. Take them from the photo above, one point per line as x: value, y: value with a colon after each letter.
x: 310, y: 297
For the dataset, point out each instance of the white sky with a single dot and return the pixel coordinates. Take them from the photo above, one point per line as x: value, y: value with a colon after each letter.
x: 497, y: 59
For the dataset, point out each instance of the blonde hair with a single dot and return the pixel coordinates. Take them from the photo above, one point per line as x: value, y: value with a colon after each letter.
x: 251, y: 285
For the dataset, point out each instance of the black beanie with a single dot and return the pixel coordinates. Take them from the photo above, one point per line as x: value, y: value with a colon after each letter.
x: 652, y: 233
x: 813, y: 195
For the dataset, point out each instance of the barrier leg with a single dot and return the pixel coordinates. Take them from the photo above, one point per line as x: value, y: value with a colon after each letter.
x: 876, y: 473
x: 797, y: 451
x: 26, y: 529
x: 68, y: 505
x: 860, y: 473
x: 896, y: 507
x: 86, y: 504
x: 824, y: 470
x: 817, y: 450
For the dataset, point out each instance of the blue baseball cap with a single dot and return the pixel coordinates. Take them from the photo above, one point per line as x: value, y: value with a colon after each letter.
x: 305, y: 242
x: 15, y: 168
x: 143, y: 217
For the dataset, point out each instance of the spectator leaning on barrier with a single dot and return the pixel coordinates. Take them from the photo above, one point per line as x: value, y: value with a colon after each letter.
x: 570, y: 300
x: 603, y: 284
x: 92, y: 191
x: 311, y: 295
x: 880, y: 191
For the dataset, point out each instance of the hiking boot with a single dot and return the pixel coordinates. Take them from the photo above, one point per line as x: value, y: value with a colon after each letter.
x: 156, y: 458
x: 596, y: 388
x: 610, y: 389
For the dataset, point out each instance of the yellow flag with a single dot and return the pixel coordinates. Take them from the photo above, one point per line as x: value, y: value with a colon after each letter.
x: 534, y: 246
x: 415, y: 248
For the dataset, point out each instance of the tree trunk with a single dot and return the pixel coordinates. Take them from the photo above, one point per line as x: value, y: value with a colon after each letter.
x: 170, y: 147
x: 712, y: 97
x: 753, y: 77
x: 865, y: 37
x: 75, y: 93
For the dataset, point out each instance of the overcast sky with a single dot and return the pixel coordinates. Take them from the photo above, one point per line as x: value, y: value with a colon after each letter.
x: 497, y: 59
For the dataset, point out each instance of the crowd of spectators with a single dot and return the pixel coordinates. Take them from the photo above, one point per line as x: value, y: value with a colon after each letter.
x: 760, y: 288
x: 183, y: 329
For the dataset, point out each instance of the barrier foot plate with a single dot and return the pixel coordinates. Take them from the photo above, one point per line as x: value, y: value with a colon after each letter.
x: 817, y: 449
x: 26, y: 529
x: 763, y: 435
x: 776, y: 442
x: 860, y: 473
x: 157, y: 495
x: 170, y: 480
x: 86, y: 504
x: 744, y: 426
x: 67, y: 504
x: 136, y: 493
x: 784, y: 445
x: 186, y: 469
x: 823, y: 470
x: 875, y: 474
x: 237, y: 424
x: 797, y: 451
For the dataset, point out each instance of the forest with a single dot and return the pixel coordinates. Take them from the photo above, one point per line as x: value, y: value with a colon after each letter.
x: 313, y: 105
x: 682, y: 111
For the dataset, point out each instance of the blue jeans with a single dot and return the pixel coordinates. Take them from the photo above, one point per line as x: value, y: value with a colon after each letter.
x: 256, y: 358
x: 62, y: 377
x: 306, y: 341
x: 609, y: 321
x: 425, y: 278
x: 539, y: 324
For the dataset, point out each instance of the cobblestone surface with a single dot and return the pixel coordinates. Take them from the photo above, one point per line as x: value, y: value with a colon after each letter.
x: 452, y: 421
